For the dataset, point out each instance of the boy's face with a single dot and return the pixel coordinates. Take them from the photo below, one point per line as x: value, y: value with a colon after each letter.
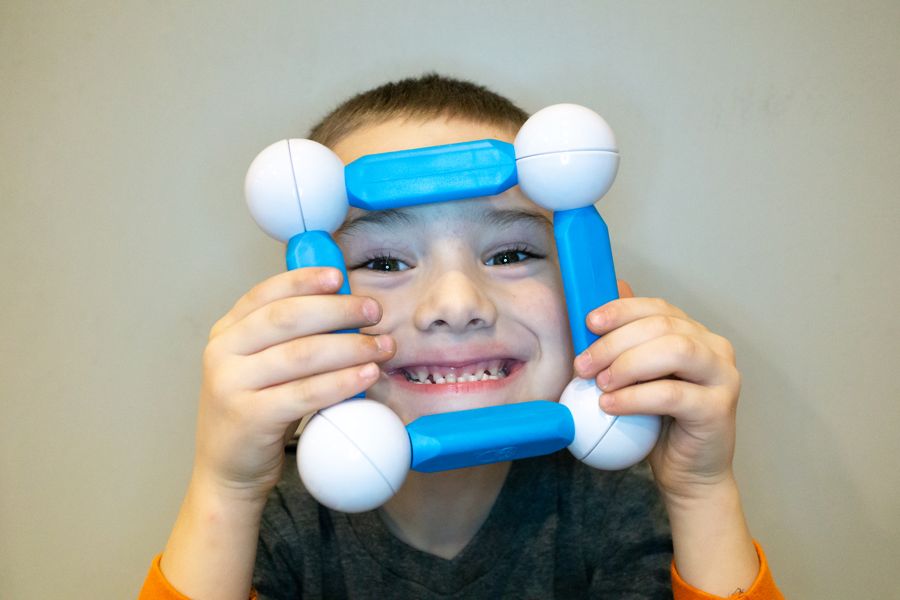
x: 471, y: 290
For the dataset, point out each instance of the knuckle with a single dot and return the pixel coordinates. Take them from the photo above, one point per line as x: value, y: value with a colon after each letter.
x: 212, y: 355
x: 281, y: 315
x: 663, y: 324
x: 254, y: 295
x: 238, y: 409
x: 298, y: 352
x: 735, y: 377
x: 661, y: 305
x: 672, y: 393
x: 684, y: 346
x: 216, y: 329
x: 599, y: 351
x: 304, y: 390
x: 219, y: 384
x: 727, y: 348
x: 258, y: 295
x: 307, y: 391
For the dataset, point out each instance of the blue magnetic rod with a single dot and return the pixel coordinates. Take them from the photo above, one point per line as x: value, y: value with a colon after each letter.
x: 433, y: 174
x: 456, y: 172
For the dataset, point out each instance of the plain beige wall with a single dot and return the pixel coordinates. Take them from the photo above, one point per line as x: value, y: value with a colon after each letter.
x: 759, y: 191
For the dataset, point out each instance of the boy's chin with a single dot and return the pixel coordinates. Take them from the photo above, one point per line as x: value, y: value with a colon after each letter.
x: 413, y: 409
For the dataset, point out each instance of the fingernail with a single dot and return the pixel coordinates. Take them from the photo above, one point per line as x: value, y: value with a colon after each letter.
x: 583, y: 361
x: 371, y: 311
x: 385, y: 343
x: 603, y: 379
x: 607, y: 401
x: 369, y: 371
x: 596, y: 320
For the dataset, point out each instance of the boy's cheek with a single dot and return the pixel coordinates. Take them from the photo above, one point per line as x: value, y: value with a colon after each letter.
x: 544, y: 304
x: 543, y: 311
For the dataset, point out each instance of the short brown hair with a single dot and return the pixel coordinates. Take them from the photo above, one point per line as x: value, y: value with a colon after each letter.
x: 429, y: 96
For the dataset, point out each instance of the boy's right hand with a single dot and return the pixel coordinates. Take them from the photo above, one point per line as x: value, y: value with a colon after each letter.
x: 270, y: 361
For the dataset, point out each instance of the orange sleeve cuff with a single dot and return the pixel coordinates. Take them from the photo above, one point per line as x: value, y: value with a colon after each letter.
x: 763, y: 587
x: 157, y: 587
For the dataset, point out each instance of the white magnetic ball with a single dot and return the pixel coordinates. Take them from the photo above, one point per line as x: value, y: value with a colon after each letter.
x: 294, y: 186
x: 354, y: 456
x: 566, y: 157
x: 604, y: 441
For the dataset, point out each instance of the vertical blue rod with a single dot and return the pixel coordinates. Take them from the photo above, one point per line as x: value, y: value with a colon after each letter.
x: 586, y: 265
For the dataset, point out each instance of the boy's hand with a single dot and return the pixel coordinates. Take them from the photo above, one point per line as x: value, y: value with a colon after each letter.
x: 654, y: 359
x: 271, y: 361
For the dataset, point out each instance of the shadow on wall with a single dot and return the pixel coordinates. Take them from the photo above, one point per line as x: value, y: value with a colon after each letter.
x: 802, y: 494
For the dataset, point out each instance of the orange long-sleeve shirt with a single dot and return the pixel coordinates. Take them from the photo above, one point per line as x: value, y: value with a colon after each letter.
x: 157, y: 587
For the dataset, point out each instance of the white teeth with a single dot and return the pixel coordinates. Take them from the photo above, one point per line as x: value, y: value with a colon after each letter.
x: 439, y: 379
x: 450, y: 378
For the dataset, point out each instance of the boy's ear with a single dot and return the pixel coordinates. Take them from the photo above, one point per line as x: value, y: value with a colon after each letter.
x: 625, y: 290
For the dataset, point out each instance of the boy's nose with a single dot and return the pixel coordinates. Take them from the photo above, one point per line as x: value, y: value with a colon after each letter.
x: 454, y: 303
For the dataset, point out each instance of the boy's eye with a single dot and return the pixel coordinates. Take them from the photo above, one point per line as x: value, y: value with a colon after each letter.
x: 508, y: 257
x: 386, y: 264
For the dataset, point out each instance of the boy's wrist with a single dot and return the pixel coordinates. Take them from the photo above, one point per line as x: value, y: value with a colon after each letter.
x: 714, y: 550
x: 210, y: 490
x: 211, y: 550
x: 702, y: 495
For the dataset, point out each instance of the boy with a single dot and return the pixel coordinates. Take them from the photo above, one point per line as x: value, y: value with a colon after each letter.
x: 462, y: 306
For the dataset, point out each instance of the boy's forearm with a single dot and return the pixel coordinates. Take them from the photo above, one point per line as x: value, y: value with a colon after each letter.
x: 714, y: 550
x: 212, y: 548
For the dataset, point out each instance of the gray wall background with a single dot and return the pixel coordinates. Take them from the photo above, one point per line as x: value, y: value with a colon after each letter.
x: 758, y: 191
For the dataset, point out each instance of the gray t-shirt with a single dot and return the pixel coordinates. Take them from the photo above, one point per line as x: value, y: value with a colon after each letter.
x: 558, y: 529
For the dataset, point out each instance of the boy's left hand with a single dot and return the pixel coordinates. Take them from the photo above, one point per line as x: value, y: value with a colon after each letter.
x: 654, y: 359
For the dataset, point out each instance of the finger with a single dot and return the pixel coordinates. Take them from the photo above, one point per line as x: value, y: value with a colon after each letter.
x: 295, y: 317
x: 675, y: 355
x: 625, y: 290
x: 298, y: 282
x: 685, y: 401
x: 618, y: 312
x: 291, y: 401
x: 603, y: 352
x: 313, y: 355
x: 291, y: 430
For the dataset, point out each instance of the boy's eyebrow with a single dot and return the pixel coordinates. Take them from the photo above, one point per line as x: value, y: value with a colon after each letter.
x: 506, y: 217
x: 392, y: 217
x: 381, y: 218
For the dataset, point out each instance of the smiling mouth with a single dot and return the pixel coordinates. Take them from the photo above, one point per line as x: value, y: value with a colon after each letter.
x: 489, y: 370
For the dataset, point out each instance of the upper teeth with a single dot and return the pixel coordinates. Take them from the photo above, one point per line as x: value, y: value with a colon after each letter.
x: 485, y: 371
